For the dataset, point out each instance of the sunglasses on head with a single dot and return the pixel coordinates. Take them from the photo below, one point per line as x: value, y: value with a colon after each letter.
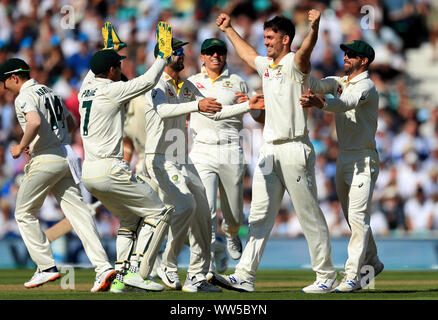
x: 352, y: 55
x: 178, y: 52
x: 211, y: 51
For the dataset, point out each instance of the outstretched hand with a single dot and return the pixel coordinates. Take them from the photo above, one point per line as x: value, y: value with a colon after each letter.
x: 111, y: 39
x: 209, y: 105
x: 309, y: 99
x: 257, y: 102
x: 241, y: 97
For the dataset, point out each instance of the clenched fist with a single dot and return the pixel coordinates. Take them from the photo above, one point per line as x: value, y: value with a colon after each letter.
x: 223, y: 21
x: 314, y: 18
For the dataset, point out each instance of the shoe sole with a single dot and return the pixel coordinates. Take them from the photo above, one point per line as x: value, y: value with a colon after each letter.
x: 40, y: 284
x: 215, y: 281
x: 106, y: 283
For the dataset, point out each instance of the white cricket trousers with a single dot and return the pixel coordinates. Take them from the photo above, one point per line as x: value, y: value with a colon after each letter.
x: 182, y: 187
x: 356, y: 175
x: 50, y: 172
x: 222, y: 167
x: 287, y: 165
x: 130, y: 200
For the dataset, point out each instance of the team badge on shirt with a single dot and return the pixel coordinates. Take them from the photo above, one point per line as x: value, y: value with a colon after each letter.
x: 227, y: 84
x: 339, y: 90
x: 266, y: 75
x: 187, y: 93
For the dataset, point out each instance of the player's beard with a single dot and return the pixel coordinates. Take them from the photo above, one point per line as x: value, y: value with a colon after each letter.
x: 177, y: 65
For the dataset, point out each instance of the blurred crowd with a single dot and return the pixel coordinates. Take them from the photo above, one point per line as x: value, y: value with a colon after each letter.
x: 58, y: 37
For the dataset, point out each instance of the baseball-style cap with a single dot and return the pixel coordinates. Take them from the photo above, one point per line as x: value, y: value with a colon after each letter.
x: 13, y: 66
x: 103, y: 60
x: 360, y: 47
x: 176, y: 44
x: 213, y: 42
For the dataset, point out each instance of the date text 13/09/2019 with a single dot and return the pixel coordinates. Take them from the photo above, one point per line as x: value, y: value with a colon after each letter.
x: 224, y: 309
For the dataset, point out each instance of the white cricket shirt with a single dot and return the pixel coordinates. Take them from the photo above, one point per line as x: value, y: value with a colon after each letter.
x: 282, y: 87
x: 101, y: 106
x: 53, y: 113
x: 166, y: 115
x: 355, y: 104
x: 223, y: 88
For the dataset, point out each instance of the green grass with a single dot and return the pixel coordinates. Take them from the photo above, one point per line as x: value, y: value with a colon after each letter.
x: 270, y: 285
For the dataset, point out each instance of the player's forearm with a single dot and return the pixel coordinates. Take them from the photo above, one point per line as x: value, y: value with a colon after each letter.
x: 33, y: 124
x: 302, y: 57
x: 243, y: 49
x: 125, y: 91
x: 338, y: 105
x: 229, y: 111
x: 168, y: 110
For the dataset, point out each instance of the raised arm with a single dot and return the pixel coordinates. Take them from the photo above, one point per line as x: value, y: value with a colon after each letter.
x: 302, y: 56
x: 243, y: 49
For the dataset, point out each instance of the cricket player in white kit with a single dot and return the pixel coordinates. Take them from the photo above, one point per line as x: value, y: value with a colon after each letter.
x: 167, y: 163
x: 216, y: 151
x: 54, y: 167
x: 355, y: 104
x: 286, y: 160
x: 102, y: 100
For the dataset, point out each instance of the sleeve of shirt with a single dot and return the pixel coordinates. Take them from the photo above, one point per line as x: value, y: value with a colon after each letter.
x: 325, y: 85
x: 229, y: 111
x: 165, y: 110
x: 296, y: 73
x: 355, y: 98
x: 26, y: 103
x: 261, y: 63
x: 121, y: 92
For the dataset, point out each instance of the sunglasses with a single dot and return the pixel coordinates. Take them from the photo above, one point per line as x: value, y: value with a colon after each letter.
x: 211, y: 51
x: 178, y: 52
x: 352, y: 55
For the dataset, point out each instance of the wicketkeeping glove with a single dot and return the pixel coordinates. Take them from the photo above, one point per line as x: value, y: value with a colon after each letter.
x: 164, y: 39
x: 111, y: 38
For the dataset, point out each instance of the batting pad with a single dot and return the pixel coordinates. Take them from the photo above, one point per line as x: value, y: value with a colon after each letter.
x: 154, y: 243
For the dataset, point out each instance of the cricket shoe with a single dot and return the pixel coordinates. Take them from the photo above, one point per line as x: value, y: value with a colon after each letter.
x: 192, y: 284
x: 232, y: 282
x: 41, y: 277
x: 234, y: 247
x: 348, y: 285
x: 118, y: 286
x: 321, y: 286
x: 135, y: 280
x: 104, y: 280
x: 169, y: 278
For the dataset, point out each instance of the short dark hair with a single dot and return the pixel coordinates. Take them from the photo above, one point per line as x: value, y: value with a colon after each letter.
x: 282, y: 25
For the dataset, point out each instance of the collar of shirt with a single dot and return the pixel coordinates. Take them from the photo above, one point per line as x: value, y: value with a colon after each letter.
x: 28, y: 83
x: 225, y: 72
x: 104, y: 80
x: 359, y: 77
x: 177, y: 86
x: 280, y: 63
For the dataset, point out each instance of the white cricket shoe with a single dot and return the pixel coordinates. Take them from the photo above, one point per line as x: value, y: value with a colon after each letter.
x: 41, y: 277
x: 104, y: 280
x: 192, y: 284
x: 135, y: 280
x: 232, y: 282
x: 348, y: 285
x: 321, y: 286
x: 169, y: 278
x: 234, y: 247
